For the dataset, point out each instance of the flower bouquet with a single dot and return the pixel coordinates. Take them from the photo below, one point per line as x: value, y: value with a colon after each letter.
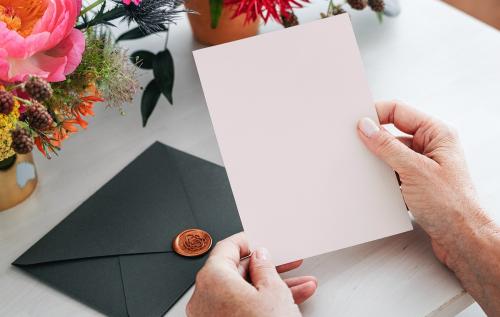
x: 57, y: 59
x: 219, y: 21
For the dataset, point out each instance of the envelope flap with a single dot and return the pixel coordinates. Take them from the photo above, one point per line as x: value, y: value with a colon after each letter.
x: 139, y: 211
x: 210, y: 197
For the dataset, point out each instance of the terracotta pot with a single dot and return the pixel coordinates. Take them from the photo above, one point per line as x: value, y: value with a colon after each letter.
x: 18, y: 179
x: 227, y: 30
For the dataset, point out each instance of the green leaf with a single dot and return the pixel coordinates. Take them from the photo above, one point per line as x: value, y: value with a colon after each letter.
x: 380, y: 16
x: 137, y: 33
x: 149, y: 100
x: 143, y: 59
x: 115, y: 13
x: 103, y: 17
x: 163, y: 70
x: 215, y: 12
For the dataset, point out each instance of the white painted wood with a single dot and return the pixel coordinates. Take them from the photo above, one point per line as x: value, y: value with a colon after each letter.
x: 473, y: 311
x: 431, y: 56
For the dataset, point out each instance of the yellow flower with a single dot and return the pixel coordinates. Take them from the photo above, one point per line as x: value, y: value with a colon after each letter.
x: 7, y: 124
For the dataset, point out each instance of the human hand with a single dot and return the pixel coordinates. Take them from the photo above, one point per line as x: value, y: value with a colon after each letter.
x: 431, y: 166
x: 226, y: 286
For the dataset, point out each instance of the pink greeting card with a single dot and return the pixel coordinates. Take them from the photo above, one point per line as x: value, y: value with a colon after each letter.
x: 284, y: 106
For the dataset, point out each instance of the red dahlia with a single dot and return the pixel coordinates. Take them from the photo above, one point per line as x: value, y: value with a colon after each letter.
x: 266, y: 9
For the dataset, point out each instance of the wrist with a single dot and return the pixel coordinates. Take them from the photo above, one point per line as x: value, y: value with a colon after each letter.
x: 466, y: 234
x: 474, y: 257
x: 470, y: 234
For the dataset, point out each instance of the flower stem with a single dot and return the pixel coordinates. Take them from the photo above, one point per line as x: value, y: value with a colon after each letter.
x: 14, y: 87
x: 27, y: 102
x: 90, y: 7
x: 167, y: 36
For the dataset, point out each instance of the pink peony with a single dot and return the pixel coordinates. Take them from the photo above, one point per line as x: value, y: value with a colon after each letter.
x: 37, y: 37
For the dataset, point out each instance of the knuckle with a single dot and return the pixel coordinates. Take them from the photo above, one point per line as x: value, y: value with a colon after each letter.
x: 449, y: 131
x: 385, y: 144
x: 189, y: 307
x: 453, y: 132
x: 201, y: 278
x: 264, y: 266
x: 446, y: 129
x: 267, y: 282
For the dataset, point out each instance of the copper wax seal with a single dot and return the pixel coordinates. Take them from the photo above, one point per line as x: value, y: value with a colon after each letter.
x: 192, y: 242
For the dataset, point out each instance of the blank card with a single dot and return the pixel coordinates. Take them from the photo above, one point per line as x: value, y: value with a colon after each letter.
x: 284, y: 106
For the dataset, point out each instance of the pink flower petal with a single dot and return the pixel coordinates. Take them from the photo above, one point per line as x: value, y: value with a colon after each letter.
x: 53, y: 49
x: 72, y: 47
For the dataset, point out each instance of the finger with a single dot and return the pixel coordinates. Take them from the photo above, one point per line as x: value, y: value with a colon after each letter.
x: 406, y: 140
x: 263, y: 273
x: 232, y: 249
x: 289, y: 266
x: 405, y: 118
x: 295, y: 281
x: 303, y: 291
x: 383, y: 144
x: 243, y: 267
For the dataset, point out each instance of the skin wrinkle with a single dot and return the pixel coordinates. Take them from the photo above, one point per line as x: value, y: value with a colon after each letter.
x: 437, y: 189
x: 444, y: 202
x: 439, y: 192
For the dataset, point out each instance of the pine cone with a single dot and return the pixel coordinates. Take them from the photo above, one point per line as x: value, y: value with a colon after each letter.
x: 376, y: 5
x: 6, y: 102
x: 289, y: 20
x: 38, y: 88
x: 38, y: 116
x: 22, y: 142
x: 357, y: 4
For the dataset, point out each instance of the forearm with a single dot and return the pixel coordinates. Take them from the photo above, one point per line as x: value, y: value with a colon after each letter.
x: 472, y: 250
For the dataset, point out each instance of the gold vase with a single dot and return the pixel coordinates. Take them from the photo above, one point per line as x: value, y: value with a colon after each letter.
x: 18, y: 180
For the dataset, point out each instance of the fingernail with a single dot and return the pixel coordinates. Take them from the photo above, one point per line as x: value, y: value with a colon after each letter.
x: 368, y: 127
x: 261, y: 254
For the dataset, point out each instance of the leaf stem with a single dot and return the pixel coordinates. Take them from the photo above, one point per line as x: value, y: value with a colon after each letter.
x: 90, y: 7
x: 167, y: 36
x: 27, y: 102
x: 14, y: 87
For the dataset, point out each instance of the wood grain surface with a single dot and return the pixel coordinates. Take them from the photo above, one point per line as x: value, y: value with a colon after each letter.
x: 432, y: 56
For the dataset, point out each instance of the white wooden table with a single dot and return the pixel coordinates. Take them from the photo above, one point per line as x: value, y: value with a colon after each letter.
x: 431, y: 56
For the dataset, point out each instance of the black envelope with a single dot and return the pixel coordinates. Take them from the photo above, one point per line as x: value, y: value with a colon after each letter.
x: 114, y: 252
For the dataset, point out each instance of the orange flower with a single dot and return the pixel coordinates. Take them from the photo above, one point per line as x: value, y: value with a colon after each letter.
x: 38, y: 143
x: 78, y: 120
x: 86, y: 108
x: 63, y: 131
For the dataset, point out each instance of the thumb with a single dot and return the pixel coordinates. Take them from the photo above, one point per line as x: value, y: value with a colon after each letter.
x: 262, y: 271
x: 383, y: 144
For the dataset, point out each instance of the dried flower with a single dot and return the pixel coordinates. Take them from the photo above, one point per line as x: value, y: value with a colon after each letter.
x: 7, y: 124
x: 152, y: 15
x: 22, y: 141
x: 6, y: 102
x: 38, y: 88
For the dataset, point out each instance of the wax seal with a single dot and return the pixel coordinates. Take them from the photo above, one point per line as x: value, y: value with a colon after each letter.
x: 192, y: 242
